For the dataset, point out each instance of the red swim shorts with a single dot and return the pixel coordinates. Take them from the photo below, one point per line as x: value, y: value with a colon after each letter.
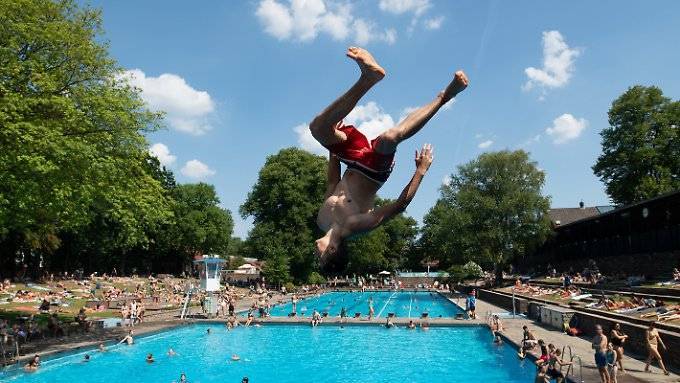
x: 360, y: 154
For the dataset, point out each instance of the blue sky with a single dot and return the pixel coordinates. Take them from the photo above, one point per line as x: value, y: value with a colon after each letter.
x: 240, y: 79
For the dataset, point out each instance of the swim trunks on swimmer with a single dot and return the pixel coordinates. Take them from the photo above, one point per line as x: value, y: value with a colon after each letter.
x: 360, y: 154
x: 600, y: 359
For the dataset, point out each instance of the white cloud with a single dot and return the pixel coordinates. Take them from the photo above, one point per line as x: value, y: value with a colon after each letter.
x: 398, y: 7
x: 187, y: 109
x: 406, y: 111
x: 366, y: 31
x: 276, y: 19
x: 162, y: 152
x: 485, y: 144
x: 446, y: 181
x: 368, y: 118
x: 197, y: 170
x: 530, y: 141
x: 558, y: 63
x: 307, y: 142
x: 434, y: 23
x: 566, y: 128
x: 304, y: 20
x: 449, y: 104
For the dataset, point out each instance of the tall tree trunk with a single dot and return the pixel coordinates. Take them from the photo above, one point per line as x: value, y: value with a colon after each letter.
x: 8, y: 253
x: 498, y: 272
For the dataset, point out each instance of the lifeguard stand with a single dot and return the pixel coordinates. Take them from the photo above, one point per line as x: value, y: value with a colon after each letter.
x: 209, y: 271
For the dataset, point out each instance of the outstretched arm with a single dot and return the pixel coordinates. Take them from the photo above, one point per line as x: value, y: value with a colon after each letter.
x: 371, y: 220
x: 333, y: 174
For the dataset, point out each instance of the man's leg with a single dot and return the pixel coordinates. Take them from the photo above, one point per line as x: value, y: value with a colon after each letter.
x: 417, y: 119
x: 323, y: 127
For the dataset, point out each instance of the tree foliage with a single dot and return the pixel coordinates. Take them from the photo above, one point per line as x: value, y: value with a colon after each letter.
x: 283, y: 204
x: 386, y: 247
x: 641, y: 147
x: 71, y: 134
x: 78, y: 187
x: 276, y: 268
x: 201, y: 226
x: 492, y: 211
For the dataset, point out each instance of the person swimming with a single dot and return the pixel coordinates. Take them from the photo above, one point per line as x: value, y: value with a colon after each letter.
x: 102, y: 348
x: 34, y: 364
x: 171, y: 352
x: 149, y: 358
x: 86, y: 358
x: 128, y: 338
x: 411, y: 325
x: 235, y: 358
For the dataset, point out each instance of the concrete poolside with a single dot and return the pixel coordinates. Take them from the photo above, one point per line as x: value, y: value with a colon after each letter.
x: 634, y: 365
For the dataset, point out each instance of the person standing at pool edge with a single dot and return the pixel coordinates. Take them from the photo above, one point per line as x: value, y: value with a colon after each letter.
x: 470, y: 305
x: 348, y: 208
x: 600, y: 346
x: 653, y: 341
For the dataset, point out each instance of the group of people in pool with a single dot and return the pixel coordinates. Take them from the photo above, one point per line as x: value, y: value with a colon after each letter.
x: 34, y: 363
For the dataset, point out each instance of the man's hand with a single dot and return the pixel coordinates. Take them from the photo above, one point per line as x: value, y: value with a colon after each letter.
x: 460, y: 81
x: 424, y: 158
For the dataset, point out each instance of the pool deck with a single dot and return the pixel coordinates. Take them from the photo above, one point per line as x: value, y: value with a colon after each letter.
x: 634, y: 364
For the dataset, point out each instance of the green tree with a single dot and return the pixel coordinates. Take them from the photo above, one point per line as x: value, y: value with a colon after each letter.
x: 386, y: 247
x: 641, y: 147
x: 498, y: 209
x: 441, y: 237
x: 366, y: 253
x: 283, y: 204
x: 71, y: 133
x: 401, y: 232
x: 235, y: 247
x: 276, y: 269
x: 201, y: 225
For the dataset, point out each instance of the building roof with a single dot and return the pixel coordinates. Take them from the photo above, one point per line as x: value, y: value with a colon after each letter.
x: 606, y: 211
x: 565, y: 216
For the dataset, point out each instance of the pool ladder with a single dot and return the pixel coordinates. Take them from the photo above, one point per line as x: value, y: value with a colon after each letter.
x: 187, y: 304
x: 570, y: 368
x: 10, y: 357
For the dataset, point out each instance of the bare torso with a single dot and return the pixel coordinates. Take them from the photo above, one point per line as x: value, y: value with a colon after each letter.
x: 354, y: 194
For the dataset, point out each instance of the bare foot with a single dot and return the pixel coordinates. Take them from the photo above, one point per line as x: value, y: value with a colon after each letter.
x: 369, y: 67
x: 459, y: 83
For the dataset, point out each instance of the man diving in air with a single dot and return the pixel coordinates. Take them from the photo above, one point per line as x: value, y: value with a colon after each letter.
x: 348, y: 206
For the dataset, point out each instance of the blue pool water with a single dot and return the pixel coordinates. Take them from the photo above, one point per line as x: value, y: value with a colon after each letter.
x: 403, y: 304
x: 296, y: 353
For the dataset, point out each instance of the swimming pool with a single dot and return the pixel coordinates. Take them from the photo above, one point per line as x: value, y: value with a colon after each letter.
x: 403, y: 304
x: 296, y: 353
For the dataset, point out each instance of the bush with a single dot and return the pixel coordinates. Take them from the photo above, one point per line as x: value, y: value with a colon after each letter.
x: 456, y: 273
x: 316, y: 279
x: 473, y: 270
x: 290, y: 287
x: 469, y: 270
